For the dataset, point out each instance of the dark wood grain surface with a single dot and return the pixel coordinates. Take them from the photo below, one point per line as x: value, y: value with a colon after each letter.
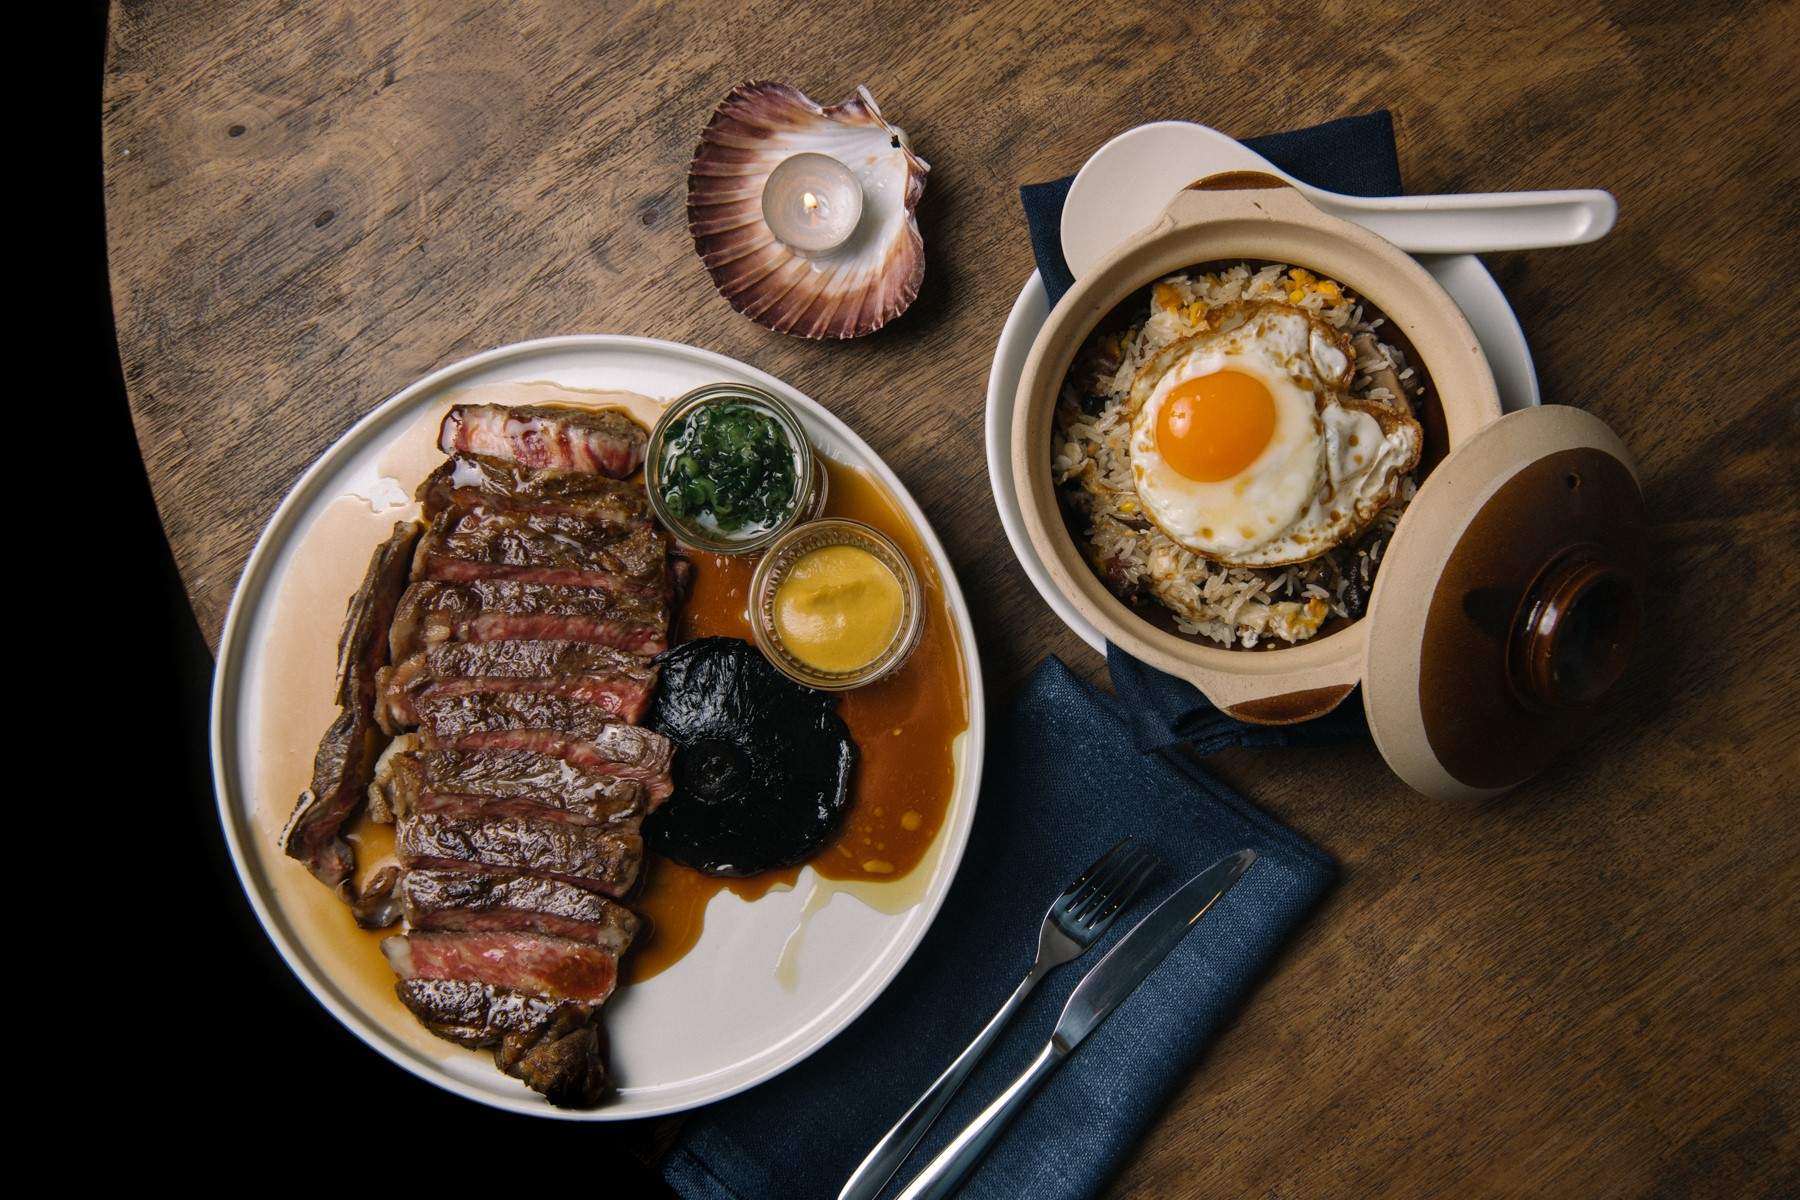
x: 1587, y: 989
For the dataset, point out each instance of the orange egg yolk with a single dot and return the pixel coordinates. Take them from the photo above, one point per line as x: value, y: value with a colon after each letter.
x: 1212, y: 427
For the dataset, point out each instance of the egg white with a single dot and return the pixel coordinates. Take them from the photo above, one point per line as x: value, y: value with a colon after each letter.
x: 1331, y: 464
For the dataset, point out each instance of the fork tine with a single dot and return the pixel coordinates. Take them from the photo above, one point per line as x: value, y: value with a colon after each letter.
x: 1096, y: 894
x: 1127, y: 887
x: 1106, y: 883
x: 1127, y: 891
x: 1084, y: 888
x: 1093, y: 904
x: 1082, y: 881
x: 1116, y: 869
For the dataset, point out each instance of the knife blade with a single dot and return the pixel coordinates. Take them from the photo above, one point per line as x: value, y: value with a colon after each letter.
x: 1113, y: 978
x: 1126, y: 965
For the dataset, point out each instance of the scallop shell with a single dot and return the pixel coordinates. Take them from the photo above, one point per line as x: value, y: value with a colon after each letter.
x: 853, y: 290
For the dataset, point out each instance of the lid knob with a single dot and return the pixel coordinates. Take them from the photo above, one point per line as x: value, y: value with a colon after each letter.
x: 1574, y: 631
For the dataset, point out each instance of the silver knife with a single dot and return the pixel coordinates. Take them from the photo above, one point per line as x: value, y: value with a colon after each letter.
x: 1113, y: 978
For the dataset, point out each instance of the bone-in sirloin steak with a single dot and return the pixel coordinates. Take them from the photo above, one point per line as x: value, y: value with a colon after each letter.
x: 504, y: 641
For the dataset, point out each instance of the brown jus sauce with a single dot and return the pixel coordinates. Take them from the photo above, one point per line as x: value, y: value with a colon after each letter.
x: 905, y: 727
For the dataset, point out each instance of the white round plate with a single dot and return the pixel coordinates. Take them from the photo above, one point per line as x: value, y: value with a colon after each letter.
x: 1202, y: 152
x: 722, y: 1018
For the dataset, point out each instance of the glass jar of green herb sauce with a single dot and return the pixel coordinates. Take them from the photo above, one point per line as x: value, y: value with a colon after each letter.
x: 729, y: 469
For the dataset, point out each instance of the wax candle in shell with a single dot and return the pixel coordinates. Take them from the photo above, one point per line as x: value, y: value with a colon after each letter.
x: 812, y: 202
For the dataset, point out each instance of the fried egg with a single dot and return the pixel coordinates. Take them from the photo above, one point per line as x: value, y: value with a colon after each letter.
x: 1248, y: 448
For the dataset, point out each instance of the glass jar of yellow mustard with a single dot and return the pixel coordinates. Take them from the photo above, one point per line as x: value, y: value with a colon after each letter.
x: 835, y: 604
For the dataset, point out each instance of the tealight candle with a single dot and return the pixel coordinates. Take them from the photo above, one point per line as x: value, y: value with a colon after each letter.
x: 812, y: 202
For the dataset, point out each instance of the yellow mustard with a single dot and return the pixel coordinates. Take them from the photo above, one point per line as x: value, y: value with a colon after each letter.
x: 837, y: 608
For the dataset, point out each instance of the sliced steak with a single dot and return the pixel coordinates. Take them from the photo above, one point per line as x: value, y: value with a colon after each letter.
x: 525, y: 808
x: 617, y: 684
x: 485, y: 543
x: 623, y: 750
x: 495, y: 610
x: 590, y: 856
x: 504, y: 546
x: 345, y: 760
x: 449, y: 715
x: 602, y: 441
x: 567, y: 1069
x: 531, y: 1034
x: 470, y: 900
x: 452, y: 570
x: 535, y: 963
x: 605, y: 799
x: 470, y: 480
x: 480, y: 1014
x: 505, y: 643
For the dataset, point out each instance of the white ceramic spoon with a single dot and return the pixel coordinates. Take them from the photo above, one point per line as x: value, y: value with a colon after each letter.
x: 1128, y: 181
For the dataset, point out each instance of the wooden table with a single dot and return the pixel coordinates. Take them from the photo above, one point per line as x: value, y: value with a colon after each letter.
x: 1588, y: 989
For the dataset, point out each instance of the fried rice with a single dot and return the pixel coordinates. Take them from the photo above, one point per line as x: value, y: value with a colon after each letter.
x: 1091, y: 464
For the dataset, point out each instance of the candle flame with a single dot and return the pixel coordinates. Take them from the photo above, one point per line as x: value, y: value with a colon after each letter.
x: 810, y: 201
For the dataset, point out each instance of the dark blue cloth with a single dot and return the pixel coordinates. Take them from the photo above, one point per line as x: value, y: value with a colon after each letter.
x: 1063, y: 782
x: 1166, y: 712
x: 1356, y: 156
x: 1353, y: 155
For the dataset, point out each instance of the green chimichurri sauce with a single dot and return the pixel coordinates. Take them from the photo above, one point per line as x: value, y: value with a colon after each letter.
x: 728, y: 466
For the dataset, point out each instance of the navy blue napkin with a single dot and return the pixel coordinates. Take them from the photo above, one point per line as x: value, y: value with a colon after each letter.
x: 1166, y: 712
x: 1063, y: 782
x: 1353, y: 155
x: 1356, y: 156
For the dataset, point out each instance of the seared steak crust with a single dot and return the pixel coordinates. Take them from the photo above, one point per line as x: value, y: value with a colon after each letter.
x: 605, y: 799
x: 566, y: 1069
x: 536, y: 1039
x: 616, y: 683
x: 346, y: 756
x: 589, y: 856
x: 493, y: 610
x: 529, y: 659
x: 450, y: 716
x: 534, y: 546
x: 623, y: 750
x: 480, y: 1014
x: 490, y: 900
x: 469, y: 480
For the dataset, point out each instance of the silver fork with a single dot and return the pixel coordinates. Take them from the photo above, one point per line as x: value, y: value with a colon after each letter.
x: 1075, y: 921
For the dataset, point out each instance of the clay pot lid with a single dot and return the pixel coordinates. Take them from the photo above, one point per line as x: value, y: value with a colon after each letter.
x: 1507, y: 604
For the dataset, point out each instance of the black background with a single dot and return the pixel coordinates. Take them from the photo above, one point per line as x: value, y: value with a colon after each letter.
x: 260, y: 1065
